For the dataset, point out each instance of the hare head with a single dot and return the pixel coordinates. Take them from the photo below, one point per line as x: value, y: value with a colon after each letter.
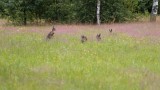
x: 98, y: 37
x: 83, y: 38
x: 110, y: 30
x: 53, y: 29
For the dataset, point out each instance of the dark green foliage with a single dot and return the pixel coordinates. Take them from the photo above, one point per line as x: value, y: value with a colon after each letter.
x: 115, y: 11
x: 60, y: 11
x: 72, y: 11
x: 86, y: 11
x: 145, y: 5
x: 1, y: 8
x: 18, y: 11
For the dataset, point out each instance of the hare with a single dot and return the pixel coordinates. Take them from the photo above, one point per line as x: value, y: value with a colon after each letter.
x: 51, y: 33
x: 83, y: 38
x: 98, y: 37
x: 110, y: 30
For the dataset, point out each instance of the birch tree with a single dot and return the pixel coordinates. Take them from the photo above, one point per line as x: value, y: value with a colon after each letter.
x: 98, y: 11
x: 154, y: 11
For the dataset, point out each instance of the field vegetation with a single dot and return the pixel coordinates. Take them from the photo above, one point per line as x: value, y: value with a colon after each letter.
x: 126, y: 59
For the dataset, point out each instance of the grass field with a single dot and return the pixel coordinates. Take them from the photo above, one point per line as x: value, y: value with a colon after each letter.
x: 120, y: 61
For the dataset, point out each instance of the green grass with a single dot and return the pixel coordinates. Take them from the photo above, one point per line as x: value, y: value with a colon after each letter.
x: 118, y: 62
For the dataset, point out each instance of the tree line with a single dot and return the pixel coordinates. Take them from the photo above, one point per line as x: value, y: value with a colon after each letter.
x: 72, y: 11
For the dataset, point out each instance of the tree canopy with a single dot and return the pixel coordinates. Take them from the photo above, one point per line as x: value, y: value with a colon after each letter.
x: 72, y: 11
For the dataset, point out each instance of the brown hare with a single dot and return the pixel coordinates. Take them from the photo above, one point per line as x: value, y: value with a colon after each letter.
x: 83, y: 38
x: 98, y: 37
x: 51, y: 33
x: 110, y: 30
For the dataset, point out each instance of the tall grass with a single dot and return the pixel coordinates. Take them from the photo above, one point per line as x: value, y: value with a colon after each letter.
x: 118, y: 62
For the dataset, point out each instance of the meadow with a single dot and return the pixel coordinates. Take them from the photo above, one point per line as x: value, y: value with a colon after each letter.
x: 127, y: 59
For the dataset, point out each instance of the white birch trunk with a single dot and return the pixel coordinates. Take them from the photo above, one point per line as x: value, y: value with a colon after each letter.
x: 154, y: 11
x: 98, y: 12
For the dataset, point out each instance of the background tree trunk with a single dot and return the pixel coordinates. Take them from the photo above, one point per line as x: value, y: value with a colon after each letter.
x: 25, y: 17
x: 98, y: 12
x: 24, y: 13
x: 154, y: 11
